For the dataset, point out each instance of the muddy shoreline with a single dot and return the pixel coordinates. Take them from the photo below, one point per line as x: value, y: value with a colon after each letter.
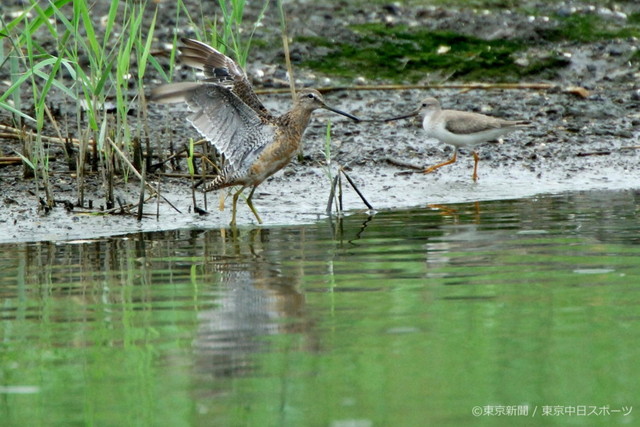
x: 576, y: 144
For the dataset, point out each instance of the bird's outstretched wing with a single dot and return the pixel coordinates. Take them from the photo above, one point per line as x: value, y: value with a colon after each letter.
x: 466, y: 122
x: 234, y: 128
x: 219, y: 68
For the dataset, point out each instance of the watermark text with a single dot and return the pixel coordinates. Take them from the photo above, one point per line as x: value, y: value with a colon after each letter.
x: 550, y: 411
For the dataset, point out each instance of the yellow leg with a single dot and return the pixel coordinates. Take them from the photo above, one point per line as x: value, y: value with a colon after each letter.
x: 448, y: 162
x: 221, y: 198
x: 253, y: 209
x: 476, y: 159
x: 234, y: 208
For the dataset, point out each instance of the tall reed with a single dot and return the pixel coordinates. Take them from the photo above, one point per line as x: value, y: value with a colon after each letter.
x: 91, y: 66
x: 97, y: 70
x: 231, y: 36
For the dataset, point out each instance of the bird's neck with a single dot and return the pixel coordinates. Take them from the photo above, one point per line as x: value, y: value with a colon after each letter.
x: 429, y: 117
x: 295, y: 122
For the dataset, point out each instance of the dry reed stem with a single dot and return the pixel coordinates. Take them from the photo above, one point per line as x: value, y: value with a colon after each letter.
x: 126, y: 161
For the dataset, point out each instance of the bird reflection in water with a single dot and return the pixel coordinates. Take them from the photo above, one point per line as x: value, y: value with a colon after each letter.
x: 256, y: 296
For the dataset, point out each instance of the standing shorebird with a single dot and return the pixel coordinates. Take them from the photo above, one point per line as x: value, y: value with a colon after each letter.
x: 227, y: 112
x: 460, y: 129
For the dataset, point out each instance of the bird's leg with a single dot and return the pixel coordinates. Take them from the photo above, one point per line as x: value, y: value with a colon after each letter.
x: 475, y: 166
x: 234, y: 208
x: 448, y: 162
x: 250, y: 204
x: 221, y: 198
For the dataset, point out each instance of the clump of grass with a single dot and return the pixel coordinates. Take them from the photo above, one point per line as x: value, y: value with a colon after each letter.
x: 89, y: 89
x: 231, y: 38
x: 233, y: 16
x: 98, y: 71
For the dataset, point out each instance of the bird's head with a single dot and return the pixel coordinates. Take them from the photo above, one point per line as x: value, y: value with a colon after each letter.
x: 311, y: 99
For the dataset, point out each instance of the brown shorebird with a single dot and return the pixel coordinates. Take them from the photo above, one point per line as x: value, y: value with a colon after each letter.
x: 227, y: 112
x: 460, y: 129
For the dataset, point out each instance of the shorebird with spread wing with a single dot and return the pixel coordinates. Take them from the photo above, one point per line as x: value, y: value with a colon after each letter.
x: 227, y: 112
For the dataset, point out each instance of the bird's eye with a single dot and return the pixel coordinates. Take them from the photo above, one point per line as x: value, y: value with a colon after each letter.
x: 424, y: 104
x: 311, y: 96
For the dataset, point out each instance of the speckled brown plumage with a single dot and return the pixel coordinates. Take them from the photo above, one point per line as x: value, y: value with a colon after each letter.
x: 227, y: 112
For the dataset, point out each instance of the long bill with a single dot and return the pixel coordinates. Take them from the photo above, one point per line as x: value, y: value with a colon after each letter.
x: 404, y: 116
x: 342, y: 113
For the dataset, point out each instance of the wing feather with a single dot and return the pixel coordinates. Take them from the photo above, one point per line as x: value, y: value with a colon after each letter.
x: 219, y: 68
x: 234, y: 128
x: 465, y: 122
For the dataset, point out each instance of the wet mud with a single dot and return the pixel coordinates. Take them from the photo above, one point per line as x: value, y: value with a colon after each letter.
x: 576, y: 143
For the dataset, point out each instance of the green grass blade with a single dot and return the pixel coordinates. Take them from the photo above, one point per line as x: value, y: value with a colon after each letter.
x: 87, y: 22
x: 27, y: 161
x: 7, y: 28
x: 190, y: 158
x: 156, y: 66
x: 111, y: 19
x: 12, y: 110
x: 16, y: 85
x: 43, y: 16
x: 142, y: 64
x: 37, y: 71
x: 51, y: 78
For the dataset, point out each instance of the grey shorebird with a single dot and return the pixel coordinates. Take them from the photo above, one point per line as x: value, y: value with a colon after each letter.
x: 227, y: 112
x: 460, y: 129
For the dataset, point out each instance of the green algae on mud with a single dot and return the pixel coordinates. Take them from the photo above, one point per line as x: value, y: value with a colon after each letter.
x: 585, y: 28
x: 406, y: 54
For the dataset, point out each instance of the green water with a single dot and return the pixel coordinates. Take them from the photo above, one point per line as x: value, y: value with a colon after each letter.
x: 528, y: 308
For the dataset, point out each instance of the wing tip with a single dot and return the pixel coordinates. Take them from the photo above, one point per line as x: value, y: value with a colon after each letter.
x: 172, y: 92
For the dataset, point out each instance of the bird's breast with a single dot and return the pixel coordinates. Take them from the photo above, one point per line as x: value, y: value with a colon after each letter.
x: 274, y: 157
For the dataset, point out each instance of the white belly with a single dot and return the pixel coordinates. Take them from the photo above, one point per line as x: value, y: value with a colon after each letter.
x: 464, y: 140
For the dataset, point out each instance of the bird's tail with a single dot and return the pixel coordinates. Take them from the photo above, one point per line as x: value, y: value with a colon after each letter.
x: 217, y: 183
x: 202, y: 56
x: 217, y: 67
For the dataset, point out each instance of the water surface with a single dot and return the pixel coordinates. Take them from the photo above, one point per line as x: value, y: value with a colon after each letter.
x: 524, y: 308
